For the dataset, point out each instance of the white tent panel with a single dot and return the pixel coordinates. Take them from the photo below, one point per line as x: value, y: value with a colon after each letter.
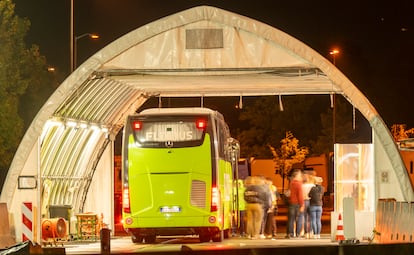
x: 179, y: 49
x: 387, y: 186
x: 20, y: 196
x: 100, y: 197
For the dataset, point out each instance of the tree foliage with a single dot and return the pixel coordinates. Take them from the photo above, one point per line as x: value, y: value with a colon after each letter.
x: 23, y: 74
x: 288, y: 154
x: 265, y: 123
x: 400, y: 132
x: 13, y: 82
x: 309, y: 117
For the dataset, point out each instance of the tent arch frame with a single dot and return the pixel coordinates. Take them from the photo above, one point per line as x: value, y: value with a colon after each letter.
x: 123, y: 83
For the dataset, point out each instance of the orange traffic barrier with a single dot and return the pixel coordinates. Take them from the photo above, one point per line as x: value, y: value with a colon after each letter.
x: 340, y: 229
x: 6, y: 239
x: 53, y: 228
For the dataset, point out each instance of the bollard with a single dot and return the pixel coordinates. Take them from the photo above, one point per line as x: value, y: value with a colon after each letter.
x: 105, y: 241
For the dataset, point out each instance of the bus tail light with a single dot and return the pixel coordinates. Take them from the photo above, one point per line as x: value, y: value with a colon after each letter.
x: 125, y: 200
x: 201, y: 124
x: 137, y: 125
x: 214, y: 199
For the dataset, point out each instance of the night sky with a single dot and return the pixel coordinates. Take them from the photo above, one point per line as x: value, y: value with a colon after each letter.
x: 376, y: 38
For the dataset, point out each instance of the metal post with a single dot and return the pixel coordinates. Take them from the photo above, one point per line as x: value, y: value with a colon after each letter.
x: 71, y: 38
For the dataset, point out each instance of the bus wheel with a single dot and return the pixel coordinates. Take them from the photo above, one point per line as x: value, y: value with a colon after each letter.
x: 218, y: 236
x: 226, y: 233
x: 204, y: 237
x: 137, y: 238
x: 150, y: 238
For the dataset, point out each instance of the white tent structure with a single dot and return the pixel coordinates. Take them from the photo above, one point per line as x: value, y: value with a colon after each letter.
x: 202, y: 52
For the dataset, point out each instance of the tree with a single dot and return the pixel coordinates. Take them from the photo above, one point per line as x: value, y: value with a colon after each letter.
x: 42, y: 84
x: 264, y: 122
x: 350, y: 127
x: 20, y: 68
x: 399, y: 132
x: 287, y: 155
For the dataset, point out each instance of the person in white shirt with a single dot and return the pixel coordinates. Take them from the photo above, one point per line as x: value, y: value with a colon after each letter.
x: 307, y: 185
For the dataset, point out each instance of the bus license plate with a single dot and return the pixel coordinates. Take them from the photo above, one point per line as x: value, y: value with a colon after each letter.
x: 170, y: 209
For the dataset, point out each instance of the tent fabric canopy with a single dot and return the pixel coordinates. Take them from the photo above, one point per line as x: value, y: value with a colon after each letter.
x: 200, y: 52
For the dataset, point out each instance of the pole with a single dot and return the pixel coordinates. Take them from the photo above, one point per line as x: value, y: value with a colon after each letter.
x: 333, y: 52
x: 333, y: 119
x: 75, y: 53
x: 71, y: 38
x: 39, y: 192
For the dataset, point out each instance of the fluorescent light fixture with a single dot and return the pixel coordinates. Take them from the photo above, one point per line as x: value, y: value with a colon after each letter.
x: 70, y: 123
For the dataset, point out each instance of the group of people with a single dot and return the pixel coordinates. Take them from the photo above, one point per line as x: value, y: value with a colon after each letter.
x: 305, y: 198
x: 258, y: 206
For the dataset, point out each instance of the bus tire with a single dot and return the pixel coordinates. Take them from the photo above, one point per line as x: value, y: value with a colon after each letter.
x: 218, y: 236
x: 137, y: 238
x: 226, y: 233
x: 150, y: 238
x: 204, y: 237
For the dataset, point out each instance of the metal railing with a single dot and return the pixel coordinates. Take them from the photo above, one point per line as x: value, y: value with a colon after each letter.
x: 394, y: 222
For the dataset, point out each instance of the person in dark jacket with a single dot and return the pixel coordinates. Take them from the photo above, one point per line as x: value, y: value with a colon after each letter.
x: 255, y: 196
x: 316, y: 202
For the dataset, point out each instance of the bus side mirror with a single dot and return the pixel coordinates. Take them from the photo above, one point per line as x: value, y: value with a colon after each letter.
x: 232, y: 149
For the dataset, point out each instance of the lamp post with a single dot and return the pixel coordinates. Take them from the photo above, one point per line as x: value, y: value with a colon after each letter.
x: 74, y: 39
x: 71, y: 36
x: 334, y: 52
x: 91, y: 36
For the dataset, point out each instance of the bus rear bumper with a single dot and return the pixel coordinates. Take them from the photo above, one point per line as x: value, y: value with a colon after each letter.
x: 170, y: 222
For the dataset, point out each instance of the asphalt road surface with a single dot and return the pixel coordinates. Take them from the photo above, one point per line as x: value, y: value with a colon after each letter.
x: 124, y: 245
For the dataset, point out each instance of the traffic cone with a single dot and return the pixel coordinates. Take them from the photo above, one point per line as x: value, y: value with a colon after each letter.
x: 340, y: 229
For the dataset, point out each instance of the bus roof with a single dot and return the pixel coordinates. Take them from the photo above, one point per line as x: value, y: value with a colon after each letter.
x: 185, y: 110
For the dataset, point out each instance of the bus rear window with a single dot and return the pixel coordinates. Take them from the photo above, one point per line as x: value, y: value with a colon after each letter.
x: 180, y: 132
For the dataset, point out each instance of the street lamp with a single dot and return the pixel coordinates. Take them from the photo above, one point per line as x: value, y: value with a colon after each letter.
x: 73, y: 39
x: 334, y: 52
x: 74, y: 56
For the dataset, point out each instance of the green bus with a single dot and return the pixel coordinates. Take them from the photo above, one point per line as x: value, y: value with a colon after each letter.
x: 179, y: 168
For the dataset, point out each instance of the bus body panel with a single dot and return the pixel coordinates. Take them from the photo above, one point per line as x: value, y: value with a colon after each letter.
x: 166, y: 182
x: 226, y: 180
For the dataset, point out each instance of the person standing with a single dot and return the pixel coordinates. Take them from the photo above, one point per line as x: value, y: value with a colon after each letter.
x: 267, y: 205
x: 255, y: 197
x: 308, y: 183
x: 316, y: 202
x: 296, y: 204
x: 271, y: 227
